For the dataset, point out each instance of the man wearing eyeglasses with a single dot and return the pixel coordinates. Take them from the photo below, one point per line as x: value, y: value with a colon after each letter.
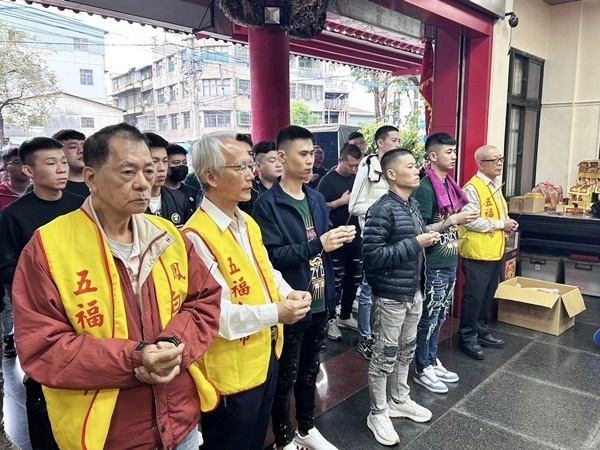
x: 17, y: 182
x: 243, y: 361
x: 482, y: 245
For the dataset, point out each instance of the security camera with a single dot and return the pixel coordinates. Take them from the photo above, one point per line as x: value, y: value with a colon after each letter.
x: 513, y: 20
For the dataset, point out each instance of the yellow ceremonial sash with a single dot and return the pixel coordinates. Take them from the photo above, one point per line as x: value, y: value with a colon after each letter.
x: 484, y: 246
x: 83, y: 269
x: 241, y: 364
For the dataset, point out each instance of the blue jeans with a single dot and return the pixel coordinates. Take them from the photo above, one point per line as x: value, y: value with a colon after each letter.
x: 439, y: 285
x: 364, y: 309
x: 191, y: 442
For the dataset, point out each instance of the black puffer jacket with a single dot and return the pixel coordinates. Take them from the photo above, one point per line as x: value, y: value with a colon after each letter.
x: 390, y: 247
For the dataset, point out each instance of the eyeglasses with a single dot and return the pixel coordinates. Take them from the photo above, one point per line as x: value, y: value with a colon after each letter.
x: 242, y: 167
x: 16, y: 162
x: 495, y: 160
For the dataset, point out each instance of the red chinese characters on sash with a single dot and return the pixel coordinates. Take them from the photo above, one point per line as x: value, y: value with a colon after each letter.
x: 89, y: 314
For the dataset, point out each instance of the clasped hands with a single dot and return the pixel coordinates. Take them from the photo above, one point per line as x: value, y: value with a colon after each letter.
x: 161, y: 362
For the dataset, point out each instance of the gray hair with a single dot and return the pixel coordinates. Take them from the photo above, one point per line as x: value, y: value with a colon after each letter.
x: 207, y: 154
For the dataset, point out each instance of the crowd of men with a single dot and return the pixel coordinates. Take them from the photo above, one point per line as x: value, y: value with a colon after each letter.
x: 151, y: 301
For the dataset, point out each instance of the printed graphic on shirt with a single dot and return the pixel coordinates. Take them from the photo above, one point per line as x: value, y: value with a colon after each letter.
x: 317, y: 271
x: 448, y: 245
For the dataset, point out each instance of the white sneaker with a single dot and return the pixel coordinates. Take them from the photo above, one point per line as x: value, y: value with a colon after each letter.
x: 410, y: 410
x: 313, y: 441
x: 444, y: 374
x: 383, y: 429
x: 333, y: 331
x: 350, y: 323
x: 429, y: 380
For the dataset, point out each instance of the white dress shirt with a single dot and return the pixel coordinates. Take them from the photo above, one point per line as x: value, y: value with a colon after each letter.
x: 238, y: 321
x: 483, y: 225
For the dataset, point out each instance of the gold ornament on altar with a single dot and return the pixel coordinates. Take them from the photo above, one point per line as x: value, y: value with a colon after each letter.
x: 586, y: 191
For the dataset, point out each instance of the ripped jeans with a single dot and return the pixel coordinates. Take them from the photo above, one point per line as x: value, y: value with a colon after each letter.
x: 439, y: 287
x: 395, y: 330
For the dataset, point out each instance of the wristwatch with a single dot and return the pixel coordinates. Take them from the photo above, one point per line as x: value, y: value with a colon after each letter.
x: 173, y: 340
x: 140, y: 347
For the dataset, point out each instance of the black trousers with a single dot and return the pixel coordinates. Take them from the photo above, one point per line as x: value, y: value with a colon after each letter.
x: 481, y: 281
x: 240, y: 421
x: 348, y: 267
x: 298, y: 370
x: 40, y: 431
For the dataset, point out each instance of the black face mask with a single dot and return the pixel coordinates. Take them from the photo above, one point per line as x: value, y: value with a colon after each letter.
x: 178, y: 173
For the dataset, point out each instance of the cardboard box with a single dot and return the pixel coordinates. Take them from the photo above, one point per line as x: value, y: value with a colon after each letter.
x: 541, y: 311
x: 520, y: 204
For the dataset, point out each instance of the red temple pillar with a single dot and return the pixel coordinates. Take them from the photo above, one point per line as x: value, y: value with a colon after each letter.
x: 446, y: 81
x: 269, y: 81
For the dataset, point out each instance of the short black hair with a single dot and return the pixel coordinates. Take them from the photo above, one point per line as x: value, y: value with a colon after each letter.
x: 154, y: 140
x: 175, y: 149
x: 263, y: 147
x: 355, y: 135
x: 96, y: 147
x: 68, y: 134
x: 436, y: 140
x: 383, y: 131
x: 244, y: 137
x: 291, y: 133
x: 28, y: 148
x: 7, y: 155
x: 391, y: 157
x: 350, y: 150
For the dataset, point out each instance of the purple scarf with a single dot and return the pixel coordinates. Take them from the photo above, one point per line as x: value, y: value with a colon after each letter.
x: 450, y: 201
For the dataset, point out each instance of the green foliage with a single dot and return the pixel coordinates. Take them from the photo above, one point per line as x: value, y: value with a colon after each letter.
x: 410, y: 138
x: 368, y: 131
x: 301, y: 115
x: 27, y: 87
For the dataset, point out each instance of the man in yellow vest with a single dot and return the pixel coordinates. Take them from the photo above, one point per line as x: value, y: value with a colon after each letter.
x: 112, y: 310
x: 243, y: 360
x: 482, y: 245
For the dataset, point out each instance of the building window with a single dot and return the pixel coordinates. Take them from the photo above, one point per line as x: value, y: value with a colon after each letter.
x: 173, y: 118
x: 216, y: 86
x: 217, y: 119
x: 309, y: 92
x: 171, y: 63
x: 522, y: 123
x: 162, y: 123
x: 241, y: 52
x: 147, y: 98
x: 86, y: 77
x: 172, y: 92
x: 243, y: 119
x: 243, y: 87
x: 217, y: 49
x: 80, y: 44
x: 292, y: 91
x: 87, y: 122
x: 160, y: 95
x: 159, y: 68
x: 186, y: 120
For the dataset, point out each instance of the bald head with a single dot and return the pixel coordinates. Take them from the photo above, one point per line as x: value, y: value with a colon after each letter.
x: 489, y: 161
x: 485, y: 152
